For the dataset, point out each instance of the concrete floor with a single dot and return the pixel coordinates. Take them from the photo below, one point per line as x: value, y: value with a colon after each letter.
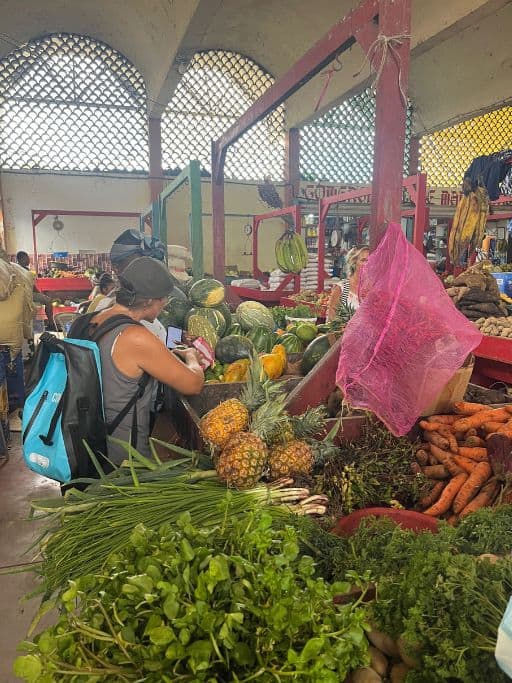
x: 18, y: 486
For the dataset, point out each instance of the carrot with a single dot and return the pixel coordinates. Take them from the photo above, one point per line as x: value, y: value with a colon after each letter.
x: 464, y: 463
x: 452, y: 441
x: 436, y: 472
x: 443, y: 419
x: 445, y: 458
x: 475, y: 481
x: 483, y: 499
x: 422, y: 457
x: 459, y: 436
x: 435, y: 439
x: 507, y: 427
x: 415, y: 468
x: 470, y: 432
x: 432, y: 460
x: 432, y: 426
x: 452, y: 520
x: 447, y: 497
x: 491, y: 427
x: 474, y: 442
x: 431, y: 497
x: 466, y: 408
x: 478, y: 454
x: 477, y: 420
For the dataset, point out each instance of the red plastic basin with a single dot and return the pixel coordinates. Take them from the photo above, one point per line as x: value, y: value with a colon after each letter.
x: 407, y: 519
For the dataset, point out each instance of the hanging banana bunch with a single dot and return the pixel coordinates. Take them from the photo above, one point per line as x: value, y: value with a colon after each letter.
x: 469, y: 223
x: 291, y: 253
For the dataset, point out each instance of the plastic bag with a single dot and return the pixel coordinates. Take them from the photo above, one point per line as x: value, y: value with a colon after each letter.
x: 406, y: 339
x: 503, y: 651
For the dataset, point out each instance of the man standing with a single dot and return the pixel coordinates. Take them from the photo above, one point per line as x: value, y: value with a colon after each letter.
x: 41, y: 299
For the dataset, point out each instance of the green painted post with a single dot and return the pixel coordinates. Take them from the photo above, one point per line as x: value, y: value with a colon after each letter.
x: 155, y: 219
x: 196, y: 219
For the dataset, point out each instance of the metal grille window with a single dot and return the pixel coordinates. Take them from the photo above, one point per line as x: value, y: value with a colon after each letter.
x: 338, y: 146
x: 214, y: 91
x: 446, y: 154
x: 71, y: 103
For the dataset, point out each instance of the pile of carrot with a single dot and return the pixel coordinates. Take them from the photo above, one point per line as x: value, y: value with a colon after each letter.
x: 454, y: 458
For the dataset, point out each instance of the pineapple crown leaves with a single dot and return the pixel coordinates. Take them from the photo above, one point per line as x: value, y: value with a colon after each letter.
x: 310, y: 423
x: 269, y: 419
x: 257, y: 391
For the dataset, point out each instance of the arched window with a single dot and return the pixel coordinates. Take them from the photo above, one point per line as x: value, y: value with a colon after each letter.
x: 446, y: 154
x: 338, y: 146
x: 71, y: 103
x: 216, y: 88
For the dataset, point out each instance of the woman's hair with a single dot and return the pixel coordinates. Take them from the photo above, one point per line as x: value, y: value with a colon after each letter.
x: 353, y: 257
x: 105, y: 281
x: 127, y: 296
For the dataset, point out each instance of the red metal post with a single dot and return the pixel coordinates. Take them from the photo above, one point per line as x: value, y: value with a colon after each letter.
x: 390, y: 119
x: 339, y: 38
x: 292, y: 165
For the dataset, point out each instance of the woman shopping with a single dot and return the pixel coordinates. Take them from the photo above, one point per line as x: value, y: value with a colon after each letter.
x: 346, y: 293
x: 131, y: 351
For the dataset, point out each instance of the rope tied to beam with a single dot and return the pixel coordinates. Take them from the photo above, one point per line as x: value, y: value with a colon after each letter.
x: 328, y: 76
x: 389, y: 49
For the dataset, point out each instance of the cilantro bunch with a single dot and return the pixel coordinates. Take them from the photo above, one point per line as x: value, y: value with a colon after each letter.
x: 188, y: 604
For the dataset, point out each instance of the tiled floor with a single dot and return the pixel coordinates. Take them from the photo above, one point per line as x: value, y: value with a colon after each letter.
x: 18, y: 486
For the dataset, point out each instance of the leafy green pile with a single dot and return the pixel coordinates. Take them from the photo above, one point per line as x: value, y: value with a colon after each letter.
x: 184, y: 604
x: 432, y: 589
x: 374, y: 470
x: 280, y: 313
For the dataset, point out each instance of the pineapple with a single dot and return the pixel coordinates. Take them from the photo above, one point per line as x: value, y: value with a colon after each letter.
x: 294, y: 457
x: 226, y: 419
x: 242, y: 461
x: 232, y: 416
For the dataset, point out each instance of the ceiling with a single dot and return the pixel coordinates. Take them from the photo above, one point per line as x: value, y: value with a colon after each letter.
x: 460, y: 62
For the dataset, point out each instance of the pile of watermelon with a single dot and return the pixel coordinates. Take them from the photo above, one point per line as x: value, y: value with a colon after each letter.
x: 234, y: 336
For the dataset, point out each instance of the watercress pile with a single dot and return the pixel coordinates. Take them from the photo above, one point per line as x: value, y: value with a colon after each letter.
x: 186, y: 604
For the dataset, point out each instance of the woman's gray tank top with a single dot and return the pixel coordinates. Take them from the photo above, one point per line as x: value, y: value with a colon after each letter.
x: 117, y: 391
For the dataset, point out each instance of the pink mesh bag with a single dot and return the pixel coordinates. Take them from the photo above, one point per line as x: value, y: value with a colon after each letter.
x: 406, y: 339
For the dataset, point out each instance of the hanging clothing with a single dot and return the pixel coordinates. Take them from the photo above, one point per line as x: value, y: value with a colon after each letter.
x: 487, y: 171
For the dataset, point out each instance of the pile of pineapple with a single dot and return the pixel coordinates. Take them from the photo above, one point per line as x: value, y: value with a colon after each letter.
x: 253, y: 436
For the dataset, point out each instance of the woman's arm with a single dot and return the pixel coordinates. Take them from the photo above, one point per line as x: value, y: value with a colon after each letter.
x: 334, y: 301
x: 139, y: 349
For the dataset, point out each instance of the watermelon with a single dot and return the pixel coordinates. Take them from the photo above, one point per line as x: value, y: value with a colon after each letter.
x: 207, y: 293
x: 214, y: 316
x: 174, y: 312
x: 198, y: 326
x: 226, y: 312
x: 291, y: 343
x: 306, y: 332
x: 262, y: 338
x: 235, y: 328
x: 316, y: 350
x: 232, y: 348
x: 252, y: 314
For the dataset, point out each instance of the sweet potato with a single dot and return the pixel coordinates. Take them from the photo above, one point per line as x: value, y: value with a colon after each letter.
x: 384, y: 643
x: 399, y: 673
x: 365, y: 675
x: 378, y: 661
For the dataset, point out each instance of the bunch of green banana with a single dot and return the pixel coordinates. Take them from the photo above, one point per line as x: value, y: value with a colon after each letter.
x: 291, y: 253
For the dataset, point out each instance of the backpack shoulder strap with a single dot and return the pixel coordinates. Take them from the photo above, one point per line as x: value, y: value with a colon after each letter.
x: 111, y: 324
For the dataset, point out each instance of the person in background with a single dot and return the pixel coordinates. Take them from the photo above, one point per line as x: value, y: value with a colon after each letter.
x: 346, y: 292
x: 23, y: 259
x: 106, y: 285
x: 131, y: 350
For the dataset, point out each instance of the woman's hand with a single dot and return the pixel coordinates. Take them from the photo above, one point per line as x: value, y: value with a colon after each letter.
x: 190, y: 356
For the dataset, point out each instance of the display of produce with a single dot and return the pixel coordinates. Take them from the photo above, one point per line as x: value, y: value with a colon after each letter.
x: 214, y: 317
x: 262, y: 339
x: 475, y: 293
x: 234, y: 347
x: 199, y: 326
x: 316, y: 350
x: 291, y: 253
x: 175, y: 312
x: 495, y: 327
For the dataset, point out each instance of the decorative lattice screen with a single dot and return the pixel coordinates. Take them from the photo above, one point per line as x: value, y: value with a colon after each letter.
x: 446, y: 154
x: 70, y: 103
x: 338, y: 146
x: 215, y: 90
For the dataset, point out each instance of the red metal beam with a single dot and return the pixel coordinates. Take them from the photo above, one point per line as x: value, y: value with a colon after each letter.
x: 339, y: 38
x: 390, y: 117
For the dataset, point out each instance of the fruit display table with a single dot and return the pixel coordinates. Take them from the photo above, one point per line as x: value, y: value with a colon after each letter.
x: 63, y: 284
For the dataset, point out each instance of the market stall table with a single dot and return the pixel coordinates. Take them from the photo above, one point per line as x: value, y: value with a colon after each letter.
x: 493, y: 361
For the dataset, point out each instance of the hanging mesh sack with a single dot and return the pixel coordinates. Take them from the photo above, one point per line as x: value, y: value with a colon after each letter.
x: 406, y: 339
